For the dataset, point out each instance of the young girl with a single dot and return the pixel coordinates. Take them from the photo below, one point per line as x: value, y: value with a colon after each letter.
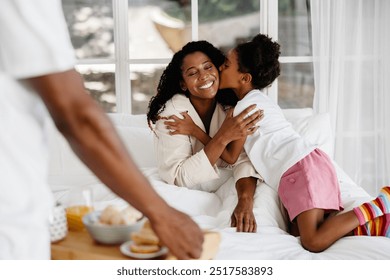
x: 303, y: 175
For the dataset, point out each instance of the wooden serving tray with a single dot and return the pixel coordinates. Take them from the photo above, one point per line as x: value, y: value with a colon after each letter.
x: 78, y: 245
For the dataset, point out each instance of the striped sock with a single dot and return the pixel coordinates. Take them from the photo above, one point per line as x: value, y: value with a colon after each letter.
x: 384, y: 197
x: 379, y: 226
x: 375, y: 208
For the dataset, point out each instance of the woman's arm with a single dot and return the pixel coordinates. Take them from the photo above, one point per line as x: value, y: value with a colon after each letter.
x: 243, y: 217
x: 186, y: 126
x: 179, y: 164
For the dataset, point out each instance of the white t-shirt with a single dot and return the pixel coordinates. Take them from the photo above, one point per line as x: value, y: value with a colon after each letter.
x: 34, y: 41
x: 275, y: 146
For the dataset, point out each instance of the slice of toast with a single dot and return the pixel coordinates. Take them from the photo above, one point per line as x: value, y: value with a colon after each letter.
x: 144, y: 238
x: 144, y: 249
x: 210, y: 246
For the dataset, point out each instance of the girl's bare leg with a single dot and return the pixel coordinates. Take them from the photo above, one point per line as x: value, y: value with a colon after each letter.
x: 317, y: 233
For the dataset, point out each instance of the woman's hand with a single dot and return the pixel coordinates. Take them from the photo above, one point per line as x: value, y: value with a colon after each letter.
x: 243, y: 217
x: 185, y: 126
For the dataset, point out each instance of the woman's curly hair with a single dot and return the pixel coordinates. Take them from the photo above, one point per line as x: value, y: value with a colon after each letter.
x: 169, y: 83
x: 259, y: 58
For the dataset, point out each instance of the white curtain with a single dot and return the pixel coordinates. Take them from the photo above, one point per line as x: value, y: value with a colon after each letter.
x: 351, y: 50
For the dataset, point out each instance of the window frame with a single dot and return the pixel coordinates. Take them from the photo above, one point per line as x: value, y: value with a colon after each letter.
x: 268, y: 25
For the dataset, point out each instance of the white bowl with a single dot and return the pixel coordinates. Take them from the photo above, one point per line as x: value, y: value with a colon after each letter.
x: 109, y: 234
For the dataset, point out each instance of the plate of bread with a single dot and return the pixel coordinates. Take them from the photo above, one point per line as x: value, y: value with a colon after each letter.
x: 137, y: 251
x: 144, y: 244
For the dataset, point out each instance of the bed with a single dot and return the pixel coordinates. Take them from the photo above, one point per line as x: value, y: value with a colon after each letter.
x: 213, y: 210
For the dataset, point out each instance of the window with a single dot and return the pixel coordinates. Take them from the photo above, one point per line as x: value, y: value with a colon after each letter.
x: 123, y: 46
x: 296, y: 82
x: 91, y: 26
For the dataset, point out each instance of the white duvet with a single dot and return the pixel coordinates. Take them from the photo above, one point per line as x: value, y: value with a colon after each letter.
x: 213, y: 210
x: 271, y: 241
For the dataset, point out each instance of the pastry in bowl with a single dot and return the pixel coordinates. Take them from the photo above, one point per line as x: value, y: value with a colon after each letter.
x: 113, y: 225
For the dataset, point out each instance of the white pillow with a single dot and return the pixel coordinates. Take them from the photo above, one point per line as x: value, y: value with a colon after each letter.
x: 139, y: 143
x: 63, y: 161
x: 137, y: 137
x: 296, y: 114
x: 314, y: 128
x: 128, y: 120
x: 66, y: 168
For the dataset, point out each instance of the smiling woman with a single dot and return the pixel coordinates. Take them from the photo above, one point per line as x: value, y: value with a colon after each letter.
x: 200, y: 77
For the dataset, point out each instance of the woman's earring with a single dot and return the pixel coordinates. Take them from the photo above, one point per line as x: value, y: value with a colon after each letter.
x: 183, y: 86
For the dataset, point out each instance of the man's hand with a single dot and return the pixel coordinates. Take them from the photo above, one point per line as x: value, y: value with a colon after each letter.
x: 179, y: 233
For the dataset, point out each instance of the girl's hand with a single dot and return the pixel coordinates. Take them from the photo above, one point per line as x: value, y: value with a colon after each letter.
x: 242, y: 125
x: 185, y: 126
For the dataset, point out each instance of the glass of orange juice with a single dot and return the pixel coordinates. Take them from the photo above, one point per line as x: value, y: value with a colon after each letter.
x: 78, y: 203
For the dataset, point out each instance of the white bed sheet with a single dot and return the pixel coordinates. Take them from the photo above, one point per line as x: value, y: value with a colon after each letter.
x: 271, y: 241
x: 213, y: 210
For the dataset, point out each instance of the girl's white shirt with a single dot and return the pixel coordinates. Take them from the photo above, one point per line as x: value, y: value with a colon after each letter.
x: 275, y: 146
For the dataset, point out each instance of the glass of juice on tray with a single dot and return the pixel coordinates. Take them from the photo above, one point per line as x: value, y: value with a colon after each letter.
x: 78, y: 204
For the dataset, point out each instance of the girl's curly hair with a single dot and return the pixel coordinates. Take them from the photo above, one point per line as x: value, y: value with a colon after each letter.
x: 259, y: 58
x: 169, y: 83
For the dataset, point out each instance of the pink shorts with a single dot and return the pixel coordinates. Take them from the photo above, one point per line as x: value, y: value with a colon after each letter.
x: 310, y: 183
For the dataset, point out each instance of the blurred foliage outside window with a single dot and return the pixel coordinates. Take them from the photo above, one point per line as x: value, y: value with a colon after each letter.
x: 211, y: 10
